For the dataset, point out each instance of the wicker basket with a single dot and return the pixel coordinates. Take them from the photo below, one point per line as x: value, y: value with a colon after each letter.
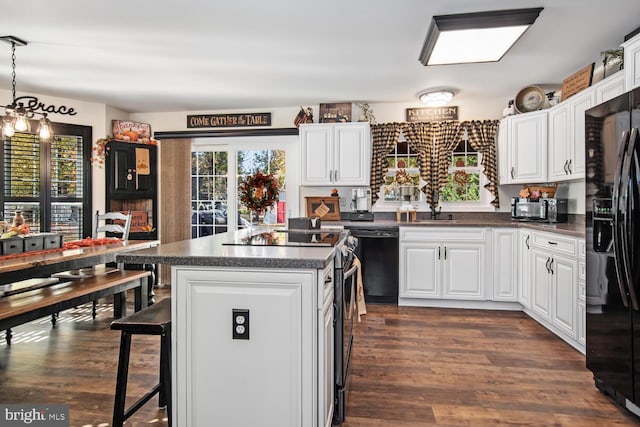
x: 550, y: 190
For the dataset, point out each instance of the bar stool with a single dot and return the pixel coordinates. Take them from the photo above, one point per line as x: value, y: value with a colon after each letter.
x: 153, y: 320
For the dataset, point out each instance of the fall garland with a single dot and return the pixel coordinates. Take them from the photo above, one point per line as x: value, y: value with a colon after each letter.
x: 259, y: 191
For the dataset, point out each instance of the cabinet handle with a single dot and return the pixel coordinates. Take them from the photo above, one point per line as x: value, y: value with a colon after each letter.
x: 551, y: 266
x: 445, y: 252
x: 569, y: 166
x: 513, y: 172
x: 328, y: 279
x: 438, y: 252
x: 553, y: 243
x: 335, y: 176
x: 526, y: 242
x: 566, y: 163
x: 547, y: 265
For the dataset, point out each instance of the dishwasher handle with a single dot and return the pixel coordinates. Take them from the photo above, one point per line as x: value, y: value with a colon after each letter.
x: 374, y: 233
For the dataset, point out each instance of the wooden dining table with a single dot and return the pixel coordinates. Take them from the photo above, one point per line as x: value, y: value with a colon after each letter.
x: 44, y: 264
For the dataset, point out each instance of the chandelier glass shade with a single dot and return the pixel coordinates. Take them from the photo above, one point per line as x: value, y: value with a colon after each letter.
x: 17, y: 116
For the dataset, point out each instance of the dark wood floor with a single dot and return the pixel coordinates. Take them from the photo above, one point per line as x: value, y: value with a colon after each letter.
x: 410, y: 367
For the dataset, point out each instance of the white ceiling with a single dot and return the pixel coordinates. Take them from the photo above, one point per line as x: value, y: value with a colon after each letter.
x: 195, y: 55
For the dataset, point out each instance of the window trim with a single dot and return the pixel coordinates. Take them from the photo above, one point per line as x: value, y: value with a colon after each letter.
x: 45, y: 200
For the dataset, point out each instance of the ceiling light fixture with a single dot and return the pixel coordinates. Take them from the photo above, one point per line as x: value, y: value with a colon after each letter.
x: 475, y: 37
x: 436, y: 98
x: 17, y: 116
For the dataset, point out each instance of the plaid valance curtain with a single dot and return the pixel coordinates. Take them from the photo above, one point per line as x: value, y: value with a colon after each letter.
x: 383, y: 138
x: 482, y: 136
x: 434, y: 143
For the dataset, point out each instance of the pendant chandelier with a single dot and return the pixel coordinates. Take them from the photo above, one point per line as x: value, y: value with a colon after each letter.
x: 17, y: 116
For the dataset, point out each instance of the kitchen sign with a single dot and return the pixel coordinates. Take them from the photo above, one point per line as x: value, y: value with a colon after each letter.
x: 432, y: 114
x: 228, y: 120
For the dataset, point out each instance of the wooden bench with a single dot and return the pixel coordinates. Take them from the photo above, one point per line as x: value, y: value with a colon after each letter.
x: 34, y: 304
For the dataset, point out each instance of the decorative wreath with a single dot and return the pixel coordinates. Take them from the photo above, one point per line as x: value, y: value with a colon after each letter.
x: 461, y: 178
x: 259, y: 191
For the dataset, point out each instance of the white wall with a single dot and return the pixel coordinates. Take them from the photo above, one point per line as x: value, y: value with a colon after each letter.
x: 98, y: 116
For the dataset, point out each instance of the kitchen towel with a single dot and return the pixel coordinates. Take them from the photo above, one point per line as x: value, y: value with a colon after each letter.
x: 359, y: 297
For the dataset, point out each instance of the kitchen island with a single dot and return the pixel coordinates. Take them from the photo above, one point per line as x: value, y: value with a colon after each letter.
x: 252, y: 331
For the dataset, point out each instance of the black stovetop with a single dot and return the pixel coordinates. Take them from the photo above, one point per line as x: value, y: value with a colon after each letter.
x: 300, y: 238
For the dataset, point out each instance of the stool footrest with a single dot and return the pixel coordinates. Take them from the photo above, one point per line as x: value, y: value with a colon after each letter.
x: 144, y: 399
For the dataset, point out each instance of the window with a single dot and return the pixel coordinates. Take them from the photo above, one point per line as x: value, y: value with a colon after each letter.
x: 214, y: 186
x: 49, y: 182
x: 402, y: 181
x: 466, y: 178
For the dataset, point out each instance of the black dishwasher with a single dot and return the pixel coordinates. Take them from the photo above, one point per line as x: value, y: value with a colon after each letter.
x: 378, y: 253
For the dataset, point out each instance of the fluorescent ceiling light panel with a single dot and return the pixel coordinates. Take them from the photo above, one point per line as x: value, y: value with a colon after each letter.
x: 474, y: 37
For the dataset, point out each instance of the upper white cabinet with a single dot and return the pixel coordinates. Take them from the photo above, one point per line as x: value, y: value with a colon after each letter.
x: 336, y: 154
x: 566, y: 137
x: 522, y: 144
x: 632, y: 62
x: 610, y: 87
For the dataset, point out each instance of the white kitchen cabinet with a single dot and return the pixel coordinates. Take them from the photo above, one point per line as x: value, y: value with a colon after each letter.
x: 632, y: 62
x: 505, y: 271
x: 335, y: 154
x: 524, y: 268
x: 326, y: 389
x: 567, y: 136
x: 581, y: 322
x: 560, y: 148
x: 610, y: 87
x: 524, y: 149
x: 273, y: 374
x: 443, y: 263
x: 555, y: 285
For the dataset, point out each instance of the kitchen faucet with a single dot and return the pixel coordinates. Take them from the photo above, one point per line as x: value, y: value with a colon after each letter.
x: 434, y: 203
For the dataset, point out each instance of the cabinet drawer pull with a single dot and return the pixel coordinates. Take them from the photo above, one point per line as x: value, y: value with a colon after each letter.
x: 552, y: 243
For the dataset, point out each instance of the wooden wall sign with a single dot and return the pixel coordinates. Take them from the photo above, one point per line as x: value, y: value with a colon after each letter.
x: 432, y: 114
x: 577, y: 82
x: 228, y: 120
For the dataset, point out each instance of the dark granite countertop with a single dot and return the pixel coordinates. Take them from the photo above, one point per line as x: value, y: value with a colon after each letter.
x: 210, y: 251
x: 575, y: 227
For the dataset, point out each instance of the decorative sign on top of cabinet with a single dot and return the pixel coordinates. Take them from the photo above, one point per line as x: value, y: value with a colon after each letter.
x: 522, y: 148
x: 336, y: 154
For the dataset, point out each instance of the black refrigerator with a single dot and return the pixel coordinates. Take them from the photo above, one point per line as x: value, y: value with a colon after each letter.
x: 612, y: 189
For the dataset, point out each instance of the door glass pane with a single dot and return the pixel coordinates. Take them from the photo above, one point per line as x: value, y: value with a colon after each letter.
x: 268, y: 162
x: 208, y: 193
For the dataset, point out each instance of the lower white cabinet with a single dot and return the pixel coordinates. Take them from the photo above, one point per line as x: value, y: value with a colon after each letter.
x: 524, y: 267
x: 505, y: 271
x: 270, y: 379
x: 443, y: 263
x: 326, y: 315
x: 554, y: 286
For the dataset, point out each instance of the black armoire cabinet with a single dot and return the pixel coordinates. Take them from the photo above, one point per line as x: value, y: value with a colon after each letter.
x: 132, y: 184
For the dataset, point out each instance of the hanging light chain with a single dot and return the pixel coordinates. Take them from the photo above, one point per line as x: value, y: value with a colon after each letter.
x: 13, y: 71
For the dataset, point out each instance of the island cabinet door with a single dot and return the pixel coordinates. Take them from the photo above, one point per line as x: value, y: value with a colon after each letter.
x: 253, y: 370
